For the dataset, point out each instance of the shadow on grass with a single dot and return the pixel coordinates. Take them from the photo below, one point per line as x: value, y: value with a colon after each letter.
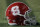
x: 6, y: 25
x: 3, y: 24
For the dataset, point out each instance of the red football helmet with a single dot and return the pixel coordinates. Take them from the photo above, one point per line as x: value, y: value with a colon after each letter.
x: 17, y: 8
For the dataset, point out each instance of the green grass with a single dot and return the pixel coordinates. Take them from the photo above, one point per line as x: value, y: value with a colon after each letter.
x: 33, y: 4
x: 6, y: 25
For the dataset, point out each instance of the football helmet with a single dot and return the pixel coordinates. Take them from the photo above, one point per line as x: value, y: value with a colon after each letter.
x: 17, y: 8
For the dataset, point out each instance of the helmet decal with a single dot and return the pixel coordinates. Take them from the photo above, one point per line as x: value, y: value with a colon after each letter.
x: 15, y: 10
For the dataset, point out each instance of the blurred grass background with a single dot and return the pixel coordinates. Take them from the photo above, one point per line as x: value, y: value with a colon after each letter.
x: 33, y: 4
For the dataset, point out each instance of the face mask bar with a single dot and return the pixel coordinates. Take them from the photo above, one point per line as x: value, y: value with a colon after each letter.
x: 30, y: 20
